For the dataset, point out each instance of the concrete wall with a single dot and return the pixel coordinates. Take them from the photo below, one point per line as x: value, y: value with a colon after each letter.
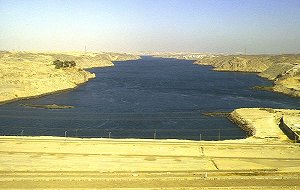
x: 288, y: 131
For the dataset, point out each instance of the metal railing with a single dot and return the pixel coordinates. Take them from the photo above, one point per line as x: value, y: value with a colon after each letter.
x: 190, y: 134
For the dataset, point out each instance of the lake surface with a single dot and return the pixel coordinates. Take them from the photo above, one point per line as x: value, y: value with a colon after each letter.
x: 147, y: 98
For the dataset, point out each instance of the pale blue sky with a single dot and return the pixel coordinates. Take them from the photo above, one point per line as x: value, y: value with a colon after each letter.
x: 224, y: 26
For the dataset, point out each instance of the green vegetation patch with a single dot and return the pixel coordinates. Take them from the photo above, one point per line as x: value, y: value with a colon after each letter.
x: 63, y: 64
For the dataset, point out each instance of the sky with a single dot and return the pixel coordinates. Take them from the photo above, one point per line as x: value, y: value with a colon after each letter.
x: 215, y: 26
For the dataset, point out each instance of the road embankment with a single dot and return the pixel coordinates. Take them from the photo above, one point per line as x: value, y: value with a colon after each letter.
x: 264, y: 123
x: 56, y: 162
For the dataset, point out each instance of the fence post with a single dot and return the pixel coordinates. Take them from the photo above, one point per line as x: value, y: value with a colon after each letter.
x: 22, y: 132
x: 76, y: 132
x: 66, y: 134
x: 154, y: 135
x: 200, y: 137
x: 109, y: 134
x: 219, y: 134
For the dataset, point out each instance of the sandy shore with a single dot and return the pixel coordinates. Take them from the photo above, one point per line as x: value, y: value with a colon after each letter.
x: 258, y: 162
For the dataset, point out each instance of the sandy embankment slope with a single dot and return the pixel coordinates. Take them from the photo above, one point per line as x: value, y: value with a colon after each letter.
x: 30, y: 74
x: 258, y: 162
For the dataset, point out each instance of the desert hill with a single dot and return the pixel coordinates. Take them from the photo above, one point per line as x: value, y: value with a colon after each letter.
x: 29, y: 74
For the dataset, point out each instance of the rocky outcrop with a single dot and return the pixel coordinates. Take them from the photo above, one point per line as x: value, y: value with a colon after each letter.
x: 286, y: 77
x: 289, y: 86
x: 27, y: 74
x: 276, y: 70
x: 241, y: 63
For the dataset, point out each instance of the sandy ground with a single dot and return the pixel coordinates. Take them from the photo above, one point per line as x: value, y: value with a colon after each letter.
x: 53, y: 162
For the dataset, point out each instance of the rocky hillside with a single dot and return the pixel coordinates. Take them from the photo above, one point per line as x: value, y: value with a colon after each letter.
x: 284, y: 70
x: 276, y: 70
x: 27, y: 74
x: 242, y: 63
x: 89, y: 60
x: 179, y: 55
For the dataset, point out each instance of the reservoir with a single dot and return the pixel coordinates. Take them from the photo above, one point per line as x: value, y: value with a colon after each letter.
x: 147, y: 98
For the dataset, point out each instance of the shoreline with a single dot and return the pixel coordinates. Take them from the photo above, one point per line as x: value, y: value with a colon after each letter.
x: 278, y: 82
x: 39, y: 72
x: 283, y: 70
x: 44, y: 94
x: 287, y: 91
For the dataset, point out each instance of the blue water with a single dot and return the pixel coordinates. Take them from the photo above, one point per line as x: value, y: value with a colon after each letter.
x: 147, y: 98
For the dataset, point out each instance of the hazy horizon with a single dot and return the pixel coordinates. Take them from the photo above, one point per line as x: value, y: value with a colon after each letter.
x: 224, y: 26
